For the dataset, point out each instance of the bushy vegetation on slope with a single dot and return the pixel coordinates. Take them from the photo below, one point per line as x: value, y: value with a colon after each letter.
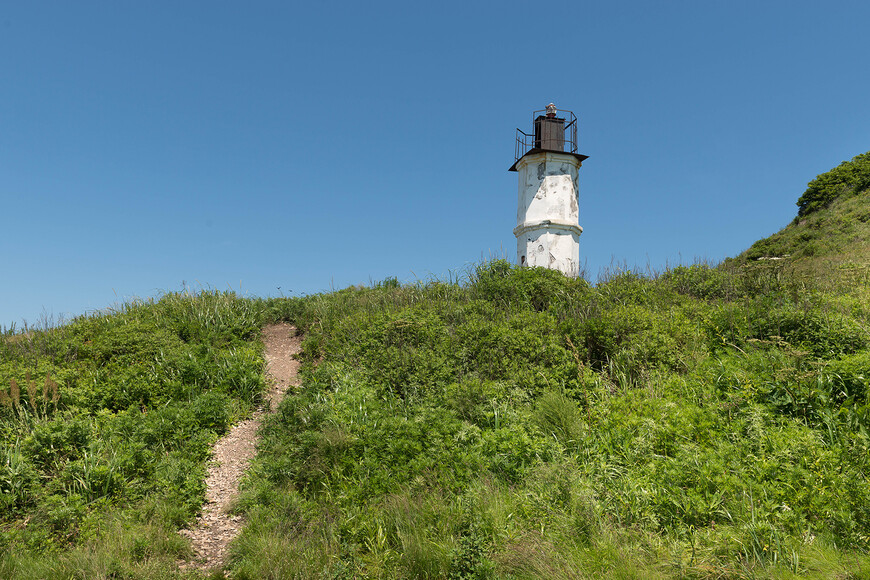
x: 106, y: 424
x: 848, y: 178
x: 840, y: 234
x: 833, y: 220
x: 703, y: 423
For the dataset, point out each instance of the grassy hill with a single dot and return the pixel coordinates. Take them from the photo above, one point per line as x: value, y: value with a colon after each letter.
x: 709, y: 422
x: 106, y: 424
x: 830, y: 236
x: 841, y: 231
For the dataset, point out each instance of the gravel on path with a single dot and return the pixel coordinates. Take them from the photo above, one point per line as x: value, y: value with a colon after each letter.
x: 215, y: 528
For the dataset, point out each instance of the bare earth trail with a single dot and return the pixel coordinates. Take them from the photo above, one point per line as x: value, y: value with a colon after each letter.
x: 233, y: 453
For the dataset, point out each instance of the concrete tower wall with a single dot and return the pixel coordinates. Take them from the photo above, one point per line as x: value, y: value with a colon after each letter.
x: 548, y: 232
x: 550, y: 248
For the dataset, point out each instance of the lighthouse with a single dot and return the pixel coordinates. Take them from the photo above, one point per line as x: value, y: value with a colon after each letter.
x: 548, y: 212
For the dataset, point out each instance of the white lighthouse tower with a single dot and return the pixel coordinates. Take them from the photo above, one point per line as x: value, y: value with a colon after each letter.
x: 548, y: 214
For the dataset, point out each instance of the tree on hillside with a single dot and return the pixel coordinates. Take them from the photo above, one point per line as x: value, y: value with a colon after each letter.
x: 848, y: 178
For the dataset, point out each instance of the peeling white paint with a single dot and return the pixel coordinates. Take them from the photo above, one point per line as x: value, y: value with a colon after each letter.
x: 548, y: 212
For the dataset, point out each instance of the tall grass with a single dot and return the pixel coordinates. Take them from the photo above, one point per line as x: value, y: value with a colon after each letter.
x: 106, y: 424
x: 517, y: 424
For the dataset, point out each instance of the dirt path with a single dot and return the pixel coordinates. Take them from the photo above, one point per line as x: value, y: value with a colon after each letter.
x: 233, y: 452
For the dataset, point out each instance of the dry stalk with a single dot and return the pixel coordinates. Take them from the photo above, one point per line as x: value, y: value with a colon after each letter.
x: 32, y: 390
x: 15, y: 393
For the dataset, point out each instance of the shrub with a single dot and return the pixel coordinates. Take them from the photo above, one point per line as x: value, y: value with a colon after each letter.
x: 700, y: 281
x: 498, y: 405
x: 623, y: 286
x: 847, y: 178
x: 851, y: 373
x: 476, y: 400
x: 634, y: 336
x: 510, y: 286
x: 282, y: 309
x: 406, y: 351
x: 211, y: 411
x: 122, y: 416
x: 823, y: 333
x: 58, y: 440
x: 95, y: 475
x: 559, y: 416
x: 525, y: 349
x: 19, y: 481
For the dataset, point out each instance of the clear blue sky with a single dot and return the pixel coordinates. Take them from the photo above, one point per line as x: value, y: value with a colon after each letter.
x: 313, y: 145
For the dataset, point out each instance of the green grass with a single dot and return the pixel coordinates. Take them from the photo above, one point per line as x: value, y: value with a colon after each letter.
x: 106, y: 424
x: 704, y: 422
x: 841, y: 232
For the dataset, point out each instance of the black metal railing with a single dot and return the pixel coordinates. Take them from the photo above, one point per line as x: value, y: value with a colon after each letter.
x: 525, y: 142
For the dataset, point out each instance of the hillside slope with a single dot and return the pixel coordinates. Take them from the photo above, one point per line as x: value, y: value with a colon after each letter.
x: 705, y: 423
x: 709, y: 422
x: 833, y: 220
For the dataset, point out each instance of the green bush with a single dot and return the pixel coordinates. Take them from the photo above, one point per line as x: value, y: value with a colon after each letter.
x: 404, y: 351
x: 635, y: 337
x: 510, y: 286
x: 525, y: 349
x: 851, y: 373
x: 211, y: 411
x: 623, y: 287
x: 823, y: 332
x: 846, y: 179
x: 19, y: 481
x: 282, y: 310
x: 559, y: 416
x: 700, y: 281
x: 60, y: 439
x: 477, y: 401
x: 95, y: 475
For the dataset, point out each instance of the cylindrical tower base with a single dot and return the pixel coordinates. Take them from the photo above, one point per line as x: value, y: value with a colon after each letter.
x: 548, y: 212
